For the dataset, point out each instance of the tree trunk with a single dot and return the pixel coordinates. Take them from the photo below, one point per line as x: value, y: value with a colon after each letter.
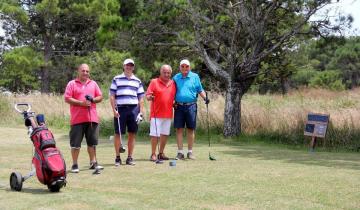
x: 232, y: 114
x: 45, y: 78
x: 285, y: 86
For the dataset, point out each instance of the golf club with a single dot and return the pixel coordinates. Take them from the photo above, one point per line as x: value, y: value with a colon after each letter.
x: 89, y: 98
x: 121, y: 149
x: 158, y: 161
x: 208, y: 126
x: 96, y: 172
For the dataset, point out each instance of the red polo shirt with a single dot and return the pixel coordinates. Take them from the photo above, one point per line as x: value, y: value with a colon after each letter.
x: 77, y: 90
x: 164, y: 98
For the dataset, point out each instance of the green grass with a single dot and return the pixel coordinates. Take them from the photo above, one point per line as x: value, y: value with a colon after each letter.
x: 245, y: 176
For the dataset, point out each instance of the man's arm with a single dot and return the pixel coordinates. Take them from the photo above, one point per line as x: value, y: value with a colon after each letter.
x: 141, y: 103
x: 203, y: 95
x: 113, y: 105
x: 150, y: 92
x: 98, y: 99
x: 76, y: 102
x: 98, y: 95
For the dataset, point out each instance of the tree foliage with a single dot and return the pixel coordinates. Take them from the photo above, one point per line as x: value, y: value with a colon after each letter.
x: 59, y: 29
x: 332, y: 57
x: 19, y: 73
x: 233, y: 39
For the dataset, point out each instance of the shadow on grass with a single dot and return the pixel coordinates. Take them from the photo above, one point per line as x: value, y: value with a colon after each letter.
x: 327, y: 159
x: 30, y: 190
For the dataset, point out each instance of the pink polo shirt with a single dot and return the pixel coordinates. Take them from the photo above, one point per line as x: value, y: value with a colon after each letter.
x: 75, y: 89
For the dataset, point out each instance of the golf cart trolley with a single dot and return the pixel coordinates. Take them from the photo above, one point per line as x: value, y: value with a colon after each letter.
x: 47, y: 163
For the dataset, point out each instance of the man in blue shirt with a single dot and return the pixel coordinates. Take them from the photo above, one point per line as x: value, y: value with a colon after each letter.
x: 188, y: 86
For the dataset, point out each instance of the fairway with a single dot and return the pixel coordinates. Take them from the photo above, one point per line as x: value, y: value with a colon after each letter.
x: 245, y: 176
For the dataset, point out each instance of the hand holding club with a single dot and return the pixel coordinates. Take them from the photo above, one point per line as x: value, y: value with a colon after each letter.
x: 89, y: 98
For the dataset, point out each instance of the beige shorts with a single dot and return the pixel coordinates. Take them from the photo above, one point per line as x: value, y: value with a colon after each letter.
x: 162, y: 126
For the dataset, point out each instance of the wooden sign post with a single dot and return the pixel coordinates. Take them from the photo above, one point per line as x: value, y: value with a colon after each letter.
x: 316, y: 126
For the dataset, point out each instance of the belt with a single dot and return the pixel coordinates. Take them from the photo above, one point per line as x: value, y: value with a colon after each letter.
x: 126, y: 105
x: 185, y: 104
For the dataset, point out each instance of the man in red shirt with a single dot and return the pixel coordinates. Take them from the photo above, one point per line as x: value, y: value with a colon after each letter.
x: 161, y: 92
x: 82, y: 94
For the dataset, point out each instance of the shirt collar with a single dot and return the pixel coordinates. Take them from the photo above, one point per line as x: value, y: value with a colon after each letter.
x: 188, y: 75
x: 77, y: 80
x: 168, y: 84
x: 123, y: 76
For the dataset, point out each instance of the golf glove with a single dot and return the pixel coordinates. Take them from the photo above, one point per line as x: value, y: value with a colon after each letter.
x: 139, y: 118
x: 89, y: 98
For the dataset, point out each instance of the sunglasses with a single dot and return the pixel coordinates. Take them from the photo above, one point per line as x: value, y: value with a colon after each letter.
x: 184, y: 66
x: 130, y: 64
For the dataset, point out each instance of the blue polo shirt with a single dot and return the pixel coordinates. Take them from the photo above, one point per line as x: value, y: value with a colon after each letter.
x: 187, y: 88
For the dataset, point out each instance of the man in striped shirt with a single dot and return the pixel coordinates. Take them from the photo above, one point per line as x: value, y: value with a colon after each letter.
x: 127, y: 102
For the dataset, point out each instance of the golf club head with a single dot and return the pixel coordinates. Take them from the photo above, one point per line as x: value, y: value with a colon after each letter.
x: 96, y: 172
x: 122, y: 149
x: 211, y: 157
x: 158, y: 161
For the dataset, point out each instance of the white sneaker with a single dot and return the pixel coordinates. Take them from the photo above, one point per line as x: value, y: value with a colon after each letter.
x: 75, y: 168
x: 95, y: 165
x: 117, y: 161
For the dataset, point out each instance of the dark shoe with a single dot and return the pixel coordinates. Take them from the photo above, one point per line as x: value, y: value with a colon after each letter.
x: 117, y: 161
x: 122, y: 149
x: 75, y: 168
x: 153, y: 157
x: 130, y: 161
x: 95, y: 165
x: 161, y: 156
x: 190, y: 156
x: 180, y: 156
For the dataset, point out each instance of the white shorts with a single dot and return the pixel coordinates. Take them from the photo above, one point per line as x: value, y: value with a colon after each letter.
x: 163, y: 126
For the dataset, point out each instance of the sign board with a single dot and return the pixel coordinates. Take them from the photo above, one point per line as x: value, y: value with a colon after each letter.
x: 316, y: 125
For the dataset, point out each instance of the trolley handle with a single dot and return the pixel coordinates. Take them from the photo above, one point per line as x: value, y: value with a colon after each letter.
x: 25, y: 105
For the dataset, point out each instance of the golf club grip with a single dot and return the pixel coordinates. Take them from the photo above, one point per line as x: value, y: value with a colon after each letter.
x: 17, y: 105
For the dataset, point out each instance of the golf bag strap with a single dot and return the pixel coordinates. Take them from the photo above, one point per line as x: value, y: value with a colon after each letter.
x: 36, y: 130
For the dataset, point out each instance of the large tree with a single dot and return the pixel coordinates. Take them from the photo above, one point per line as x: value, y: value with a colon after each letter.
x: 232, y: 38
x: 59, y: 29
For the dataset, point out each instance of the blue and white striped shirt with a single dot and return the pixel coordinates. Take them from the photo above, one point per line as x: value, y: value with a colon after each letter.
x: 126, y: 91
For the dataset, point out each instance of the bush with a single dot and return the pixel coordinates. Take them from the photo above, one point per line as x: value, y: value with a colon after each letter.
x: 4, y: 108
x: 328, y: 79
x: 303, y: 77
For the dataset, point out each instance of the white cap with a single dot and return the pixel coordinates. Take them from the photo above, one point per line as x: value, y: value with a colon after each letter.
x: 129, y: 60
x: 185, y: 61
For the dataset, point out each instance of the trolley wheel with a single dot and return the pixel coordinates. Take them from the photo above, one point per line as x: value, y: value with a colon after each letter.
x: 57, y: 185
x: 16, y: 181
x: 54, y: 188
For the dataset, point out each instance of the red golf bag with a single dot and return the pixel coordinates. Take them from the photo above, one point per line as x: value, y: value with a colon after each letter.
x: 48, y: 161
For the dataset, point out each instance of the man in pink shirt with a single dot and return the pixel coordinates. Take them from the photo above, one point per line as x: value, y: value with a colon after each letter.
x: 82, y: 94
x: 161, y: 92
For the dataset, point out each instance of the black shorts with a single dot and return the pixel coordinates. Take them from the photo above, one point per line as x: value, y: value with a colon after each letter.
x: 128, y: 114
x: 78, y: 131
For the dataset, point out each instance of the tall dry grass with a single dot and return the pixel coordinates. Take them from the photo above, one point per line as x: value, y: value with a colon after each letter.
x: 274, y: 117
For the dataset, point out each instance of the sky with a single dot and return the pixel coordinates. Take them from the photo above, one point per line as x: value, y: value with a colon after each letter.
x: 351, y: 7
x: 344, y: 6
